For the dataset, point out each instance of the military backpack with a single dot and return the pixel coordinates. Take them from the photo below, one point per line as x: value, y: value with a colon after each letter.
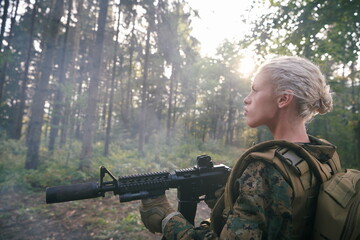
x: 334, y: 193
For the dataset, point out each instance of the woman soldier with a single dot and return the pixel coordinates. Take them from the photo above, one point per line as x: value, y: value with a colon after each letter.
x: 285, y: 94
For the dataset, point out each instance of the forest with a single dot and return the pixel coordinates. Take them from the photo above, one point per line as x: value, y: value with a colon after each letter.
x: 124, y: 84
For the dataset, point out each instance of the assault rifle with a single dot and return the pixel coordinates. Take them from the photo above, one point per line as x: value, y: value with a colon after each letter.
x: 192, y: 185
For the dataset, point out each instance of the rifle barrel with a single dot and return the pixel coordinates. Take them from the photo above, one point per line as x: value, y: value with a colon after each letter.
x: 72, y: 192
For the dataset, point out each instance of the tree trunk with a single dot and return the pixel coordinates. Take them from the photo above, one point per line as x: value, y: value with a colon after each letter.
x: 175, y: 97
x: 357, y: 141
x: 204, y: 130
x: 144, y: 87
x: 170, y: 104
x: 13, y: 132
x: 105, y: 98
x: 77, y: 113
x: 68, y: 119
x: 112, y: 87
x: 3, y: 23
x: 2, y: 31
x: 90, y: 119
x: 219, y: 127
x: 41, y: 91
x: 128, y: 98
x: 230, y: 122
x: 58, y: 109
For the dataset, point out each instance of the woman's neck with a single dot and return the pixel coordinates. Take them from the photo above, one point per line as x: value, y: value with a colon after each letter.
x: 290, y: 130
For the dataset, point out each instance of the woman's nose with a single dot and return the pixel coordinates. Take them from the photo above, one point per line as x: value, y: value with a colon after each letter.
x: 246, y: 100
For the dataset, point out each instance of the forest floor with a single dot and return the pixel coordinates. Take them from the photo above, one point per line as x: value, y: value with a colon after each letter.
x: 25, y: 215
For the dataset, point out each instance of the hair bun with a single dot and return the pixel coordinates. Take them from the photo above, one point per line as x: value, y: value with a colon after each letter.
x: 325, y: 101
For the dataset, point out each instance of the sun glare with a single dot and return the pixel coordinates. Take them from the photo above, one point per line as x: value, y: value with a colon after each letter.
x: 218, y: 22
x: 247, y: 66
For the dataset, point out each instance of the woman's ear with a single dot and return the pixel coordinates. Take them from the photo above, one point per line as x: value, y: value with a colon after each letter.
x: 285, y: 100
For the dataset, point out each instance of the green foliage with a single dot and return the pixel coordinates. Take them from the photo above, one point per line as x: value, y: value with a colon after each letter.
x: 315, y: 29
x: 11, y: 163
x: 131, y: 223
x: 53, y: 170
x: 61, y: 167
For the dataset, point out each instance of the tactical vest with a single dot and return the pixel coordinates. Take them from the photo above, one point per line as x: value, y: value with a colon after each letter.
x: 302, y: 171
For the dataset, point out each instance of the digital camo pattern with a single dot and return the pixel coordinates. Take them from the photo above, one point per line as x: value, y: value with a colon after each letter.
x: 262, y: 210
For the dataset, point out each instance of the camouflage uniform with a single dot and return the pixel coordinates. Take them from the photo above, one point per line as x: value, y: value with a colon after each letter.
x: 262, y: 210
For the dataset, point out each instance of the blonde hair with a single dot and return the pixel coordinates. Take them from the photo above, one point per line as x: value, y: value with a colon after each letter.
x: 304, y: 80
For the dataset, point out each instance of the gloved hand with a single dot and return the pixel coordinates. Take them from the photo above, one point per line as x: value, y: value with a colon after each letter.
x: 153, y: 211
x: 211, y: 200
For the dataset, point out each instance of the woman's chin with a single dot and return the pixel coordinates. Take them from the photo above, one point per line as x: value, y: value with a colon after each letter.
x: 251, y: 124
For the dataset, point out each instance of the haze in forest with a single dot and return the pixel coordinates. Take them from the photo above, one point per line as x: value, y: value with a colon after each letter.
x: 147, y: 74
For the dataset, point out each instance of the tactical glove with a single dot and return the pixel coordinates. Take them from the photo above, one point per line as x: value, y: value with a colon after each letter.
x: 153, y: 211
x: 211, y: 200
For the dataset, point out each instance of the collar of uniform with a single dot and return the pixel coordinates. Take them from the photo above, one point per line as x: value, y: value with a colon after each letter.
x: 320, y: 149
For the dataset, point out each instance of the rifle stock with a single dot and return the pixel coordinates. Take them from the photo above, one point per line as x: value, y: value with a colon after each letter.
x: 191, y: 184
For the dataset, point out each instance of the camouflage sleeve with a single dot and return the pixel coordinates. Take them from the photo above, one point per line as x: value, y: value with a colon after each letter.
x: 262, y: 210
x: 179, y: 228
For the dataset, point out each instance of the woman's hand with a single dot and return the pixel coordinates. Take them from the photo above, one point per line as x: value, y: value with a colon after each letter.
x: 153, y: 211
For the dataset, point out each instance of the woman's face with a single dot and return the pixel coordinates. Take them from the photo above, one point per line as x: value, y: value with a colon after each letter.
x: 261, y: 104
